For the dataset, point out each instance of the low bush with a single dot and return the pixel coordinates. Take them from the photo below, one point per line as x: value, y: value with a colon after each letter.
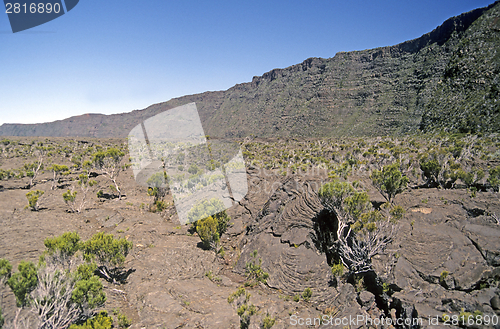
x: 33, y: 198
x: 254, y: 271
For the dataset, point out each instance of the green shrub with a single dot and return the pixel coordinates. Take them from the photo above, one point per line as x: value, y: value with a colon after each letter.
x: 389, y: 181
x: 338, y: 269
x: 357, y: 203
x: 193, y: 169
x: 6, y: 174
x: 466, y: 317
x: 466, y: 177
x: 335, y: 191
x: 244, y: 308
x: 207, y: 231
x: 307, y: 294
x: 245, y: 313
x: 32, y: 170
x: 157, y: 189
x: 106, y: 249
x: 123, y: 321
x: 254, y: 271
x: 58, y: 170
x: 268, y: 322
x: 452, y: 172
x: 69, y: 198
x: 159, y: 206
x: 494, y: 178
x: 23, y: 282
x: 88, y: 291
x: 1, y: 319
x: 397, y: 213
x: 338, y: 194
x: 370, y: 227
x: 367, y: 222
x: 100, y: 321
x: 443, y: 276
x: 78, y: 291
x: 239, y: 292
x: 431, y: 169
x: 108, y: 252
x: 33, y: 197
x: 66, y: 245
x: 213, y: 207
x: 471, y: 178
x: 219, y: 219
x: 5, y: 269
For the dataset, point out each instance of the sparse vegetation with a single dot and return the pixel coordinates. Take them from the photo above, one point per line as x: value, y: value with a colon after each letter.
x: 58, y: 170
x: 244, y: 309
x: 122, y: 320
x: 210, y: 221
x: 109, y: 163
x: 33, y: 169
x: 267, y: 322
x: 100, y: 321
x: 207, y: 231
x: 307, y: 294
x: 494, y: 178
x: 254, y: 271
x: 70, y: 199
x: 157, y: 184
x: 33, y: 199
x: 362, y: 232
x: 389, y: 181
x: 352, y: 165
x: 443, y: 276
x: 110, y: 253
x: 338, y: 269
x: 61, y: 289
x: 86, y: 184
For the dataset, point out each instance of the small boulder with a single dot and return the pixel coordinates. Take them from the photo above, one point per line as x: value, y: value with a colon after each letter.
x: 366, y: 298
x: 495, y: 303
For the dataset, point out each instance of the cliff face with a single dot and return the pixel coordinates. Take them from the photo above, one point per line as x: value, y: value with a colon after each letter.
x: 466, y: 99
x: 446, y: 79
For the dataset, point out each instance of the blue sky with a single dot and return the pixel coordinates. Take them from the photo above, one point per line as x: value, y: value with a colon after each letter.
x: 118, y: 56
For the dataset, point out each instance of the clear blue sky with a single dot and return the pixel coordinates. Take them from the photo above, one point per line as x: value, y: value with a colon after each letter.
x: 117, y: 56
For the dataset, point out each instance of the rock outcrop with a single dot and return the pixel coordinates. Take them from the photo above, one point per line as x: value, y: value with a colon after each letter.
x: 444, y: 259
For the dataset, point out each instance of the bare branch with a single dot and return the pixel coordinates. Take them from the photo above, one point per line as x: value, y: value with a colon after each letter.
x: 495, y: 217
x: 51, y: 299
x: 357, y: 249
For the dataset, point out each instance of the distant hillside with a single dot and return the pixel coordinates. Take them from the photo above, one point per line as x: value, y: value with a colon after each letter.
x: 446, y: 79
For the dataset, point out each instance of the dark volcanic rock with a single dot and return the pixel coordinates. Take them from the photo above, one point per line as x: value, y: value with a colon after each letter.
x: 495, y: 303
x: 283, y: 235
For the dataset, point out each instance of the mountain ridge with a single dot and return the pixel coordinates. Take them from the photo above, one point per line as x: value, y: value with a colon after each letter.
x: 387, y: 90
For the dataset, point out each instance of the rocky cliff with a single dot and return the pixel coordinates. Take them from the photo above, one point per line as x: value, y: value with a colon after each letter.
x: 446, y: 79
